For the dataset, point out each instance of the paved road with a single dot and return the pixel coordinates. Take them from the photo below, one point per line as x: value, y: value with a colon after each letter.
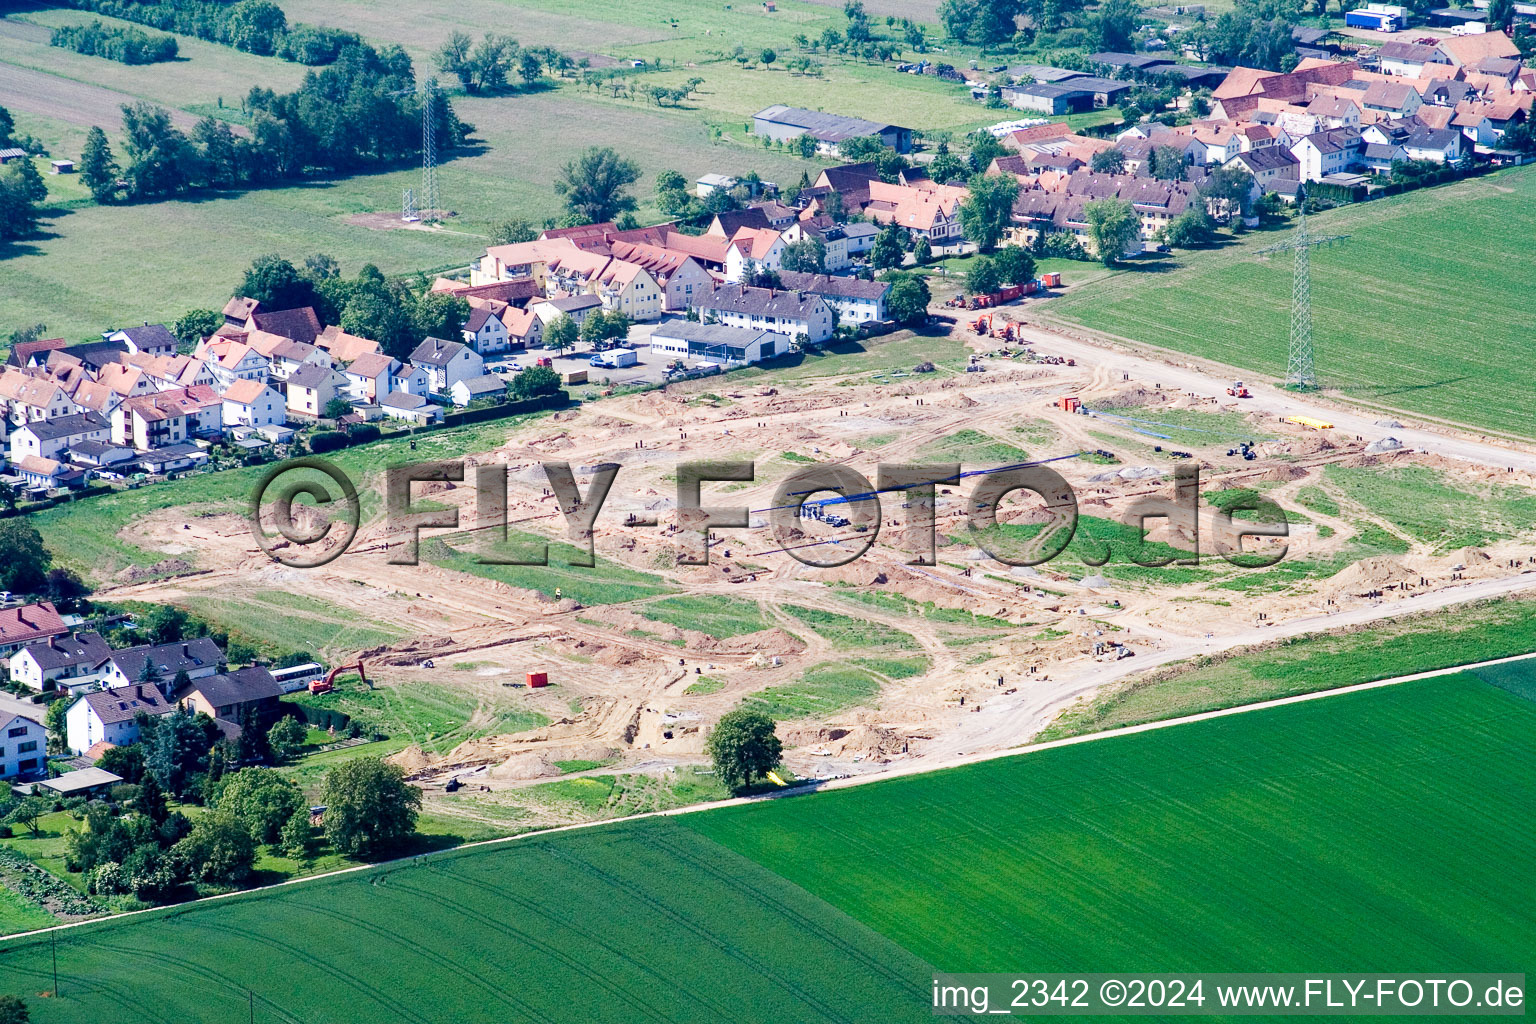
x: 1270, y: 399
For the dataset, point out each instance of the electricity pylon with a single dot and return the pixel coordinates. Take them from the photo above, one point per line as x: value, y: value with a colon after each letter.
x: 1301, y: 370
x: 430, y: 201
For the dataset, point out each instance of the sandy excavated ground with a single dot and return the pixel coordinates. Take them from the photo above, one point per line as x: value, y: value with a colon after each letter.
x: 629, y: 675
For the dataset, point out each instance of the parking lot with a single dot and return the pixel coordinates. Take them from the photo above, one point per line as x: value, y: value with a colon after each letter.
x: 648, y: 369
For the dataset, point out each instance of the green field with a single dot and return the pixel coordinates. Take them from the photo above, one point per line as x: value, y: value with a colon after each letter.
x: 1418, y: 311
x: 434, y: 717
x: 76, y: 275
x: 1369, y: 832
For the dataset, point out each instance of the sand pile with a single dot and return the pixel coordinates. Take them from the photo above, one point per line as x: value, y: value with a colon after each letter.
x: 1376, y: 573
x: 524, y: 766
x: 413, y: 759
x: 165, y: 567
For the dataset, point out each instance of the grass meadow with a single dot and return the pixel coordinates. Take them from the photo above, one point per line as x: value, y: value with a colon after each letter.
x: 1371, y: 831
x: 1418, y: 311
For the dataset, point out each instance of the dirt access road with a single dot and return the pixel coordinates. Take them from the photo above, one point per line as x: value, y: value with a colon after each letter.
x: 1267, y: 398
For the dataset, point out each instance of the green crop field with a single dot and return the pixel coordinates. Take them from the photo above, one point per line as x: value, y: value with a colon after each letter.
x: 1372, y: 831
x: 1418, y: 311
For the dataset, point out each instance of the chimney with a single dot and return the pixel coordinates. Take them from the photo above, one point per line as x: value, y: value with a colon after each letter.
x: 186, y: 652
x: 140, y: 690
x: 146, y: 323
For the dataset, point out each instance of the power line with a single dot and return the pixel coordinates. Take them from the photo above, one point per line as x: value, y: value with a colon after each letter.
x: 1301, y: 368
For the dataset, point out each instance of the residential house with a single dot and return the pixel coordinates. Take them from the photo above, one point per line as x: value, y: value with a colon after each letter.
x: 1395, y: 99
x: 760, y: 247
x: 172, y: 458
x: 1268, y: 164
x: 1441, y: 146
x: 574, y: 306
x: 48, y: 439
x: 230, y: 696
x: 1408, y: 59
x: 932, y: 212
x: 855, y: 301
x: 301, y: 325
x: 446, y: 363
x: 343, y: 347
x: 484, y: 331
x: 1467, y: 51
x: 472, y: 389
x: 30, y: 398
x: 168, y: 417
x: 1328, y: 152
x: 252, y: 403
x: 197, y: 657
x: 230, y: 360
x: 48, y: 474
x: 785, y: 312
x: 126, y: 381
x: 99, y: 455
x: 311, y: 388
x: 726, y: 223
x: 239, y: 310
x: 23, y: 739
x: 150, y: 339
x: 1220, y: 142
x: 29, y: 624
x: 676, y: 273
x: 412, y: 408
x: 33, y: 353
x: 524, y: 328
x: 1378, y: 157
x: 1335, y: 111
x: 372, y: 376
x: 71, y: 662
x: 169, y: 372
x: 111, y: 716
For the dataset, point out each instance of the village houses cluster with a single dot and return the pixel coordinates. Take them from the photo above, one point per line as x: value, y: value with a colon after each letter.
x: 109, y: 692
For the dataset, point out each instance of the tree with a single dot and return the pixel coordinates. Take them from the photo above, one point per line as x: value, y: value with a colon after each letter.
x: 369, y: 807
x: 907, y: 301
x: 63, y: 587
x: 1116, y: 24
x: 336, y: 408
x: 1015, y: 265
x: 1229, y: 189
x: 984, y: 148
x: 29, y: 812
x: 1166, y: 163
x: 255, y: 26
x: 595, y: 185
x: 276, y: 284
x: 922, y: 252
x: 1113, y: 226
x: 808, y: 256
x: 535, y: 382
x: 561, y: 333
x: 946, y: 167
x: 285, y: 737
x: 743, y: 746
x: 440, y: 315
x: 13, y: 1010
x: 452, y: 58
x: 161, y: 160
x: 219, y: 848
x: 166, y: 624
x: 767, y: 57
x: 510, y: 232
x: 887, y: 251
x: 98, y: 170
x: 263, y: 800
x: 982, y: 277
x: 293, y: 841
x: 1191, y: 228
x: 176, y: 751
x: 1108, y: 161
x: 988, y: 209
x: 23, y: 559
x: 18, y: 211
x: 529, y: 68
x: 196, y: 324
x: 30, y: 182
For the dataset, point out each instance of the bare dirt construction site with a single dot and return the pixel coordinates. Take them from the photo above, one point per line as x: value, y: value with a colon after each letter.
x: 876, y: 662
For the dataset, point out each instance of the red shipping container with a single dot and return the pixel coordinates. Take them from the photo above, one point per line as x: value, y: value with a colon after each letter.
x: 538, y: 679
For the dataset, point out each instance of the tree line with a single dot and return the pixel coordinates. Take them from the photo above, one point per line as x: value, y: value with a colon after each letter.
x: 255, y: 26
x: 361, y: 112
x: 488, y: 66
x: 22, y: 189
x: 124, y: 45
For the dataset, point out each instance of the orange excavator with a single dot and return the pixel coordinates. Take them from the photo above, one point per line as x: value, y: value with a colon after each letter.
x: 328, y: 684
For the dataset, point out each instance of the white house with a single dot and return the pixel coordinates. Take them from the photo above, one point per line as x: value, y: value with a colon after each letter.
x: 716, y: 343
x: 28, y: 624
x: 372, y: 376
x: 446, y: 363
x: 312, y: 387
x: 251, y: 403
x: 111, y: 716
x: 484, y: 331
x: 410, y: 407
x: 230, y: 360
x: 47, y: 439
x: 789, y: 313
x: 1439, y: 146
x: 1328, y: 152
x: 23, y: 740
x: 856, y: 301
x: 151, y: 339
x: 472, y: 389
x: 75, y: 662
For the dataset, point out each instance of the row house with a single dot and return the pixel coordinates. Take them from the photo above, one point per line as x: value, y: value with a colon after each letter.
x: 676, y: 273
x: 48, y: 439
x: 932, y: 212
x: 786, y: 312
x: 855, y: 301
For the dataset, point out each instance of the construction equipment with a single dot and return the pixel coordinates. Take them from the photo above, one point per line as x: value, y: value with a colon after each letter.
x: 328, y: 684
x: 1238, y: 390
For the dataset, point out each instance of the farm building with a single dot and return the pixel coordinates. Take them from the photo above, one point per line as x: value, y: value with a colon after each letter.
x: 829, y: 130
